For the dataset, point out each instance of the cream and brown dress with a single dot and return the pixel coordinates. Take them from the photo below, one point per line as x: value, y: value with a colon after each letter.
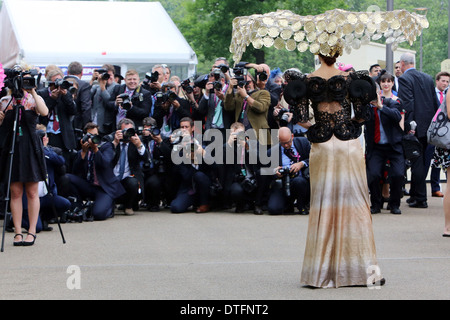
x: 340, y: 248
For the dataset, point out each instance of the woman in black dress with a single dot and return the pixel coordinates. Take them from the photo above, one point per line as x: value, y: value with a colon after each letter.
x: 28, y: 167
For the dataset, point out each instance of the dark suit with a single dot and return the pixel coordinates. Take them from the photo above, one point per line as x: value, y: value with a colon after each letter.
x: 139, y: 110
x: 279, y: 202
x: 65, y: 108
x: 419, y: 101
x: 377, y: 154
x: 133, y: 183
x: 108, y: 187
x: 84, y: 104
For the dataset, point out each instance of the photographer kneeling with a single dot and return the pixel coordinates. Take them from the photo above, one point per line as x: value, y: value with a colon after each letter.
x: 156, y: 165
x: 94, y: 177
x: 294, y: 185
x: 129, y: 152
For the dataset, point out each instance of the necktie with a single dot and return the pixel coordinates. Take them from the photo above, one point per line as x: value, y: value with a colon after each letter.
x: 377, y: 134
x: 441, y: 98
x: 55, y: 122
x: 291, y: 155
x: 123, y: 157
x: 244, y: 118
x: 90, y: 176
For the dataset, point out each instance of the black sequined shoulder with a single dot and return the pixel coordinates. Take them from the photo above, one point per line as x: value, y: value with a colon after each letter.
x: 332, y: 101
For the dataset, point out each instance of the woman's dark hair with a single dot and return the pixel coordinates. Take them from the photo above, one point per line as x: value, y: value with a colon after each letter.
x: 329, y: 61
x: 385, y: 75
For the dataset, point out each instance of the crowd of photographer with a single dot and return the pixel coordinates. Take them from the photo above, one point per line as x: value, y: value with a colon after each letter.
x: 115, y: 151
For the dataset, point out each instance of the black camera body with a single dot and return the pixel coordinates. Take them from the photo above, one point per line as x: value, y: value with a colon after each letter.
x: 283, y: 117
x: 95, y: 138
x: 286, y: 177
x: 186, y: 85
x: 17, y: 79
x: 127, y: 134
x: 104, y: 74
x: 162, y: 97
x: 262, y: 76
x: 240, y: 75
x: 128, y: 100
x: 151, y: 77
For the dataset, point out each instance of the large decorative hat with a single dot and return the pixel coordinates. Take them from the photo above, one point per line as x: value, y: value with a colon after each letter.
x: 329, y: 33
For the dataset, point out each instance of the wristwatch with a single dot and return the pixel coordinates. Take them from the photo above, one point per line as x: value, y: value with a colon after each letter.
x: 246, y: 97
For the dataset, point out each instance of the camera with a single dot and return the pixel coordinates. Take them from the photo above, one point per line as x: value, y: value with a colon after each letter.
x: 283, y: 117
x: 95, y: 138
x: 262, y: 75
x: 217, y: 85
x: 240, y: 75
x: 150, y: 77
x: 223, y: 67
x: 127, y: 134
x: 104, y: 73
x: 249, y: 184
x: 162, y: 97
x: 17, y: 79
x: 286, y: 176
x: 127, y: 102
x: 154, y: 130
x: 186, y: 85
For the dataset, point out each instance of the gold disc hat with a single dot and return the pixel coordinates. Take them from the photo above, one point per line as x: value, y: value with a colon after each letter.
x: 329, y: 33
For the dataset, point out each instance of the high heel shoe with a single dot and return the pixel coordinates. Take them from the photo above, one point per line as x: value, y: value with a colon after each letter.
x: 29, y: 243
x: 18, y: 243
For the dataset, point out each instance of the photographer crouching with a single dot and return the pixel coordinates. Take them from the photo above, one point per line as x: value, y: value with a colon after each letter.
x: 129, y: 152
x: 94, y: 177
x: 157, y: 175
x: 28, y: 165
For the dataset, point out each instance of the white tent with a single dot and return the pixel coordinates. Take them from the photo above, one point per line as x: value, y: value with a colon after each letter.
x: 132, y: 35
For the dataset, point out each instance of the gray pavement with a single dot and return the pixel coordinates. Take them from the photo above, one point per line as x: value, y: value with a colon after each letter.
x: 219, y: 256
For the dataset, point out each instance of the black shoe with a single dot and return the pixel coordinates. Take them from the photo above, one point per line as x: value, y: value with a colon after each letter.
x: 153, y: 208
x: 410, y: 200
x: 18, y: 243
x: 29, y: 243
x: 303, y: 211
x: 418, y: 204
x: 374, y: 210
x: 258, y: 210
x: 396, y: 210
x: 45, y: 226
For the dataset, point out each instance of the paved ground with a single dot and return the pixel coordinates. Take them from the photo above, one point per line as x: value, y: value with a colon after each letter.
x: 217, y: 256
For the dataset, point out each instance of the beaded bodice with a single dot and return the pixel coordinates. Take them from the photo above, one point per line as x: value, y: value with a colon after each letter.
x: 340, y: 105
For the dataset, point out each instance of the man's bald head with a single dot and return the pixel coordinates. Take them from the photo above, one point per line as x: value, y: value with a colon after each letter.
x: 285, y: 136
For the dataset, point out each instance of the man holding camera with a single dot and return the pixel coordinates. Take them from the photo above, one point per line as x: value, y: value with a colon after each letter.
x: 192, y: 174
x: 61, y: 108
x: 249, y: 103
x: 83, y: 100
x: 169, y: 109
x: 130, y: 100
x: 129, y: 152
x: 93, y: 174
x: 157, y: 175
x: 294, y: 185
x: 243, y: 184
x: 103, y: 84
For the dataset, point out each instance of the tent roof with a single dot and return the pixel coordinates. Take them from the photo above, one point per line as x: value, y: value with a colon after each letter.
x: 59, y: 32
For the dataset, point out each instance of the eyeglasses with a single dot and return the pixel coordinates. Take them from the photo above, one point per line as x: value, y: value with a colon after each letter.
x: 221, y: 58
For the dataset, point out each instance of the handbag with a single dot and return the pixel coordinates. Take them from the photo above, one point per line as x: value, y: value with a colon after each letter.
x: 438, y: 133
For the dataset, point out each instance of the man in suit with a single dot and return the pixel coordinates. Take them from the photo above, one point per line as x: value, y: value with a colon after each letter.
x: 129, y: 152
x: 250, y: 106
x: 442, y: 81
x: 383, y: 136
x: 58, y: 122
x: 139, y: 105
x: 83, y: 101
x: 193, y: 174
x: 101, y: 91
x: 93, y: 174
x: 418, y: 95
x: 294, y: 159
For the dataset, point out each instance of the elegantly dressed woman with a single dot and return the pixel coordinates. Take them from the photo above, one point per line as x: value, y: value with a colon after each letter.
x: 340, y: 247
